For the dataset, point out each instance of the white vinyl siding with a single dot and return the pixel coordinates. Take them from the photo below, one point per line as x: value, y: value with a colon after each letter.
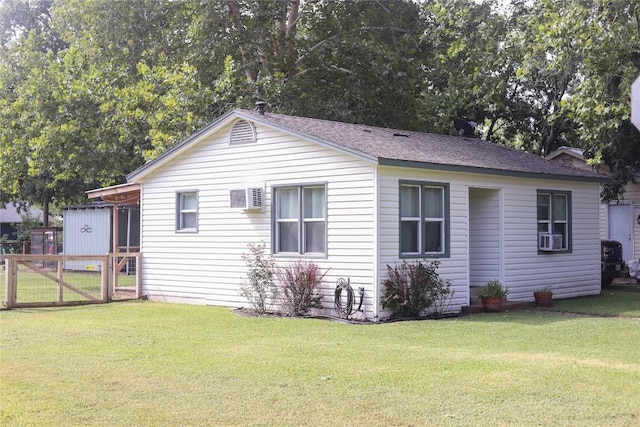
x: 485, y: 236
x: 570, y: 274
x: 207, y: 267
x: 361, y: 218
x: 453, y: 267
x: 516, y: 260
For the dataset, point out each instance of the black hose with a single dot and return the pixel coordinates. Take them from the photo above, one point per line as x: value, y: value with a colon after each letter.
x: 345, y: 309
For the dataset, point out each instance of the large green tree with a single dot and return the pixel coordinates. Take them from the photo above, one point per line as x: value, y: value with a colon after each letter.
x: 608, y: 40
x: 90, y: 89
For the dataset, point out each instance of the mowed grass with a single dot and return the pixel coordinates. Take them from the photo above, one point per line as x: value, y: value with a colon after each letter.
x: 611, y: 302
x: 150, y: 364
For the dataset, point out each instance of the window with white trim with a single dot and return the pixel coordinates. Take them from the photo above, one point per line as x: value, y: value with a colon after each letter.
x: 554, y: 219
x: 187, y: 211
x: 424, y: 219
x: 300, y: 220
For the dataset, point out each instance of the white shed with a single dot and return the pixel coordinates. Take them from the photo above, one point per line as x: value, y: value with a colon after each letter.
x: 87, y: 230
x: 354, y: 199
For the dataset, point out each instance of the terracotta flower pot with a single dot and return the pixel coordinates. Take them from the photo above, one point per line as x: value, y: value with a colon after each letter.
x: 492, y: 305
x: 543, y: 298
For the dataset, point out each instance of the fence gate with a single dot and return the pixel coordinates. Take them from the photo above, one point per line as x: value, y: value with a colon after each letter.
x: 55, y: 280
x: 125, y: 275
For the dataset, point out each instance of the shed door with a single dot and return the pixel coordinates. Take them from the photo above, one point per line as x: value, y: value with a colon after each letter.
x: 620, y: 228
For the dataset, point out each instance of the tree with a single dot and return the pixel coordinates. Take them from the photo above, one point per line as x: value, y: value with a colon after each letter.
x: 538, y: 75
x: 90, y: 89
x: 350, y: 61
x: 84, y: 116
x: 470, y: 69
x: 608, y: 35
x: 588, y: 54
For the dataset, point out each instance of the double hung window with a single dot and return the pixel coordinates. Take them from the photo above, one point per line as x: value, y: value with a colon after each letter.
x: 300, y: 220
x: 187, y: 211
x: 424, y: 222
x: 554, y: 219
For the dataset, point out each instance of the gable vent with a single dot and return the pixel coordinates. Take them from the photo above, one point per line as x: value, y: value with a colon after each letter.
x: 566, y: 162
x: 242, y: 132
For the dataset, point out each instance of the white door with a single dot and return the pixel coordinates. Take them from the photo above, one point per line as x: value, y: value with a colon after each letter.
x: 620, y: 228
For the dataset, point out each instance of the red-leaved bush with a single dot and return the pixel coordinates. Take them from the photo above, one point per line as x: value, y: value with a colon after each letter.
x: 300, y: 281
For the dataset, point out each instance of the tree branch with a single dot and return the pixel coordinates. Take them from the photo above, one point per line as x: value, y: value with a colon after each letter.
x: 331, y: 67
x: 234, y: 15
x: 357, y: 30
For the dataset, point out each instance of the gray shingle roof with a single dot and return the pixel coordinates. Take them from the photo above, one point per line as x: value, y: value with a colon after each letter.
x: 400, y: 147
x: 10, y: 213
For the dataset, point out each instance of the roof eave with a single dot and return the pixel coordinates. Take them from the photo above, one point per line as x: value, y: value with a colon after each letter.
x: 118, y: 194
x: 487, y: 171
x: 565, y: 150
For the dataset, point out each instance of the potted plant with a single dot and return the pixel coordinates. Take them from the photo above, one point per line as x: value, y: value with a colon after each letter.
x: 491, y: 295
x: 543, y: 296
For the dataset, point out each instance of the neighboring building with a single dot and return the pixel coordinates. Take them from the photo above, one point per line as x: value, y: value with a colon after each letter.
x: 354, y: 199
x: 619, y: 219
x: 10, y: 216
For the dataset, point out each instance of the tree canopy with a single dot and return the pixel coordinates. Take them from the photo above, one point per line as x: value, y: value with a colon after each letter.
x: 91, y: 89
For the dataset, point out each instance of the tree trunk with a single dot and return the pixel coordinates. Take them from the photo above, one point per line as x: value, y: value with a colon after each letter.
x: 45, y: 211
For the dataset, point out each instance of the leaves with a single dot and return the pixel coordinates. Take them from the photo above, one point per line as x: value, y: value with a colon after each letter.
x: 90, y: 89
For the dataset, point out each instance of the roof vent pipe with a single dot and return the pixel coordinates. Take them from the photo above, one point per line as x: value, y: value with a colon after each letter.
x: 260, y: 106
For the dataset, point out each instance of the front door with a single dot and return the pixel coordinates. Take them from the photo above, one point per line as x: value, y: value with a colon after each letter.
x: 620, y: 228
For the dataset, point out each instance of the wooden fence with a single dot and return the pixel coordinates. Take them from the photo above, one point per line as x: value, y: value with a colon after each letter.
x: 45, y: 280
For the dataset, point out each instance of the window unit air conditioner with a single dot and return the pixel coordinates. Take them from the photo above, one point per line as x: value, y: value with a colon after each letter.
x: 550, y: 242
x: 249, y: 198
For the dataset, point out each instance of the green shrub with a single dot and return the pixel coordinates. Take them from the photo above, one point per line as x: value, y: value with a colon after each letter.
x: 410, y: 289
x: 300, y: 282
x: 259, y: 289
x: 492, y: 289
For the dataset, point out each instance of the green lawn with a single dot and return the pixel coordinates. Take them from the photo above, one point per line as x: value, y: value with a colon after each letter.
x: 612, y: 302
x: 153, y: 364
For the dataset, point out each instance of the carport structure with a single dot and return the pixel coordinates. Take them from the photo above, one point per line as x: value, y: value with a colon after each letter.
x: 119, y: 195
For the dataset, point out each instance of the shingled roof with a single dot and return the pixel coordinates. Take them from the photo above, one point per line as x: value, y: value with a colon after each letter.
x: 416, y: 149
x: 396, y: 147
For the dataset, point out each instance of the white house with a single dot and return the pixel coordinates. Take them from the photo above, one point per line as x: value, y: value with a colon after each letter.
x: 355, y: 199
x: 619, y: 219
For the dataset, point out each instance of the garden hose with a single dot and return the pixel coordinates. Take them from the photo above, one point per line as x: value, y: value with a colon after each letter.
x: 346, y: 309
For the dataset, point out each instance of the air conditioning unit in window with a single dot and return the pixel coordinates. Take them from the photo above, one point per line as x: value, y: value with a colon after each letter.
x: 249, y: 198
x: 549, y: 242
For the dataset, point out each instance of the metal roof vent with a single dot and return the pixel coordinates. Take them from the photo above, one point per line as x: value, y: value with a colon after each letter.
x: 260, y: 107
x: 242, y: 132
